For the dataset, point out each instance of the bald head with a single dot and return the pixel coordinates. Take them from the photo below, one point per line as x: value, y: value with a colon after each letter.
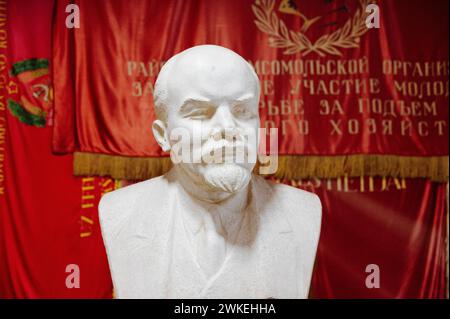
x: 205, y: 71
x: 206, y: 101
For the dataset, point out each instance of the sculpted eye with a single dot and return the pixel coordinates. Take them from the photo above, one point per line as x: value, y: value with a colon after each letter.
x: 242, y: 111
x: 200, y: 113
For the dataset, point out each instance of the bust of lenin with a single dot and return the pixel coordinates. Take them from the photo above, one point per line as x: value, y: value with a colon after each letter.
x: 209, y: 230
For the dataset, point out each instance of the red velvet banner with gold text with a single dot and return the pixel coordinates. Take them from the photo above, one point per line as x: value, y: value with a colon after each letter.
x: 352, y: 99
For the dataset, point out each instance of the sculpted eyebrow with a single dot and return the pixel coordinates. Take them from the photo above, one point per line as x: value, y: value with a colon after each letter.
x: 245, y: 98
x: 190, y: 104
x: 242, y: 101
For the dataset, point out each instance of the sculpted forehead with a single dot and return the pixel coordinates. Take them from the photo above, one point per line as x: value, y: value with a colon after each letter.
x: 212, y: 72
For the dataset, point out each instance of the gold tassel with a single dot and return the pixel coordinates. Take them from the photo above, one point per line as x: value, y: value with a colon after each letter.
x: 292, y: 167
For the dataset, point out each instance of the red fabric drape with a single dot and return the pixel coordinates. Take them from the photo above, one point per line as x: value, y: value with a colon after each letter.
x: 355, y: 91
x: 43, y: 213
x: 400, y: 226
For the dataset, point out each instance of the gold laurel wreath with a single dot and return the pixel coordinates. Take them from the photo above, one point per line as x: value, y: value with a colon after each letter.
x: 347, y: 36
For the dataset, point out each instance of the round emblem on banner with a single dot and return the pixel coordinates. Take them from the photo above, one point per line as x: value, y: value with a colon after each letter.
x: 32, y: 102
x: 347, y: 35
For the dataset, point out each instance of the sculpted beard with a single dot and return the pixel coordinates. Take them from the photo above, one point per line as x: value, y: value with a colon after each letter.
x: 228, y: 172
x: 225, y: 177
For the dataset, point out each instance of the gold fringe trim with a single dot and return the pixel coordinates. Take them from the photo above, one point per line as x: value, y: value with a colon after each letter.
x: 299, y: 167
x: 119, y: 167
x: 292, y: 167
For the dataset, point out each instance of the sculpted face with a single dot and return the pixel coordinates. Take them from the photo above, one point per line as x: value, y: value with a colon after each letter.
x: 212, y: 93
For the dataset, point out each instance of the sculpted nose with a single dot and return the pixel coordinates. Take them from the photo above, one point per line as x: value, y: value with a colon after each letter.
x: 224, y: 120
x: 224, y: 117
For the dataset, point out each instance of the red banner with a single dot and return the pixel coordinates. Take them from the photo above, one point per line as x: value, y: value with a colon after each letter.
x: 331, y: 85
x: 48, y: 217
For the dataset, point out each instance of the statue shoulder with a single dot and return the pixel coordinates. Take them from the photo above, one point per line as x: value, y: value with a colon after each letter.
x: 308, y: 200
x: 299, y: 206
x: 117, y: 206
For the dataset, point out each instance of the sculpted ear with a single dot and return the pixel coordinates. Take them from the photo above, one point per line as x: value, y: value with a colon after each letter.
x: 161, y: 135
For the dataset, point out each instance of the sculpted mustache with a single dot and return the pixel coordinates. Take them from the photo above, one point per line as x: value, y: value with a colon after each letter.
x: 225, y: 147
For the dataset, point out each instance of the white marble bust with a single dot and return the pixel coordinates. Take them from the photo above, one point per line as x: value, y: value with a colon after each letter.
x: 209, y: 230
